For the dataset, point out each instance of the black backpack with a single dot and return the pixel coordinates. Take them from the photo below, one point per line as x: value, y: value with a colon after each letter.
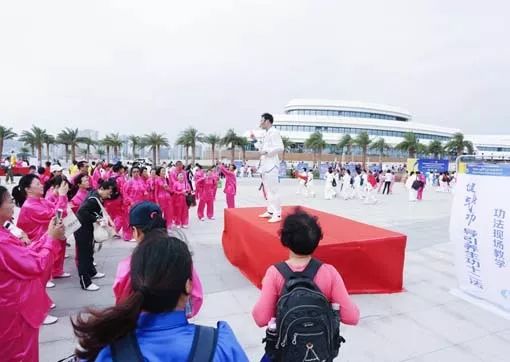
x: 308, y: 328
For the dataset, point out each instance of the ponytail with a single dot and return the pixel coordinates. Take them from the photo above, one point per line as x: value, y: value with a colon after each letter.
x: 96, y: 329
x: 19, y: 193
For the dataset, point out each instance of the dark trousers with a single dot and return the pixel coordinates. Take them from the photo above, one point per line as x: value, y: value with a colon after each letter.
x: 85, y: 255
x: 386, y: 187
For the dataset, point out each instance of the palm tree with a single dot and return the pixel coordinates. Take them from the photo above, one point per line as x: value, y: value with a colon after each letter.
x: 363, y: 141
x: 155, y: 141
x: 380, y: 146
x: 243, y: 143
x: 48, y: 141
x: 24, y: 152
x: 135, y: 142
x: 411, y: 144
x: 190, y: 137
x: 107, y: 142
x: 28, y: 139
x: 316, y: 143
x: 435, y: 148
x: 287, y: 144
x: 212, y: 140
x: 116, y: 143
x: 346, y: 142
x: 457, y: 145
x: 69, y: 137
x: 88, y: 142
x: 6, y: 133
x: 100, y: 152
x: 230, y: 140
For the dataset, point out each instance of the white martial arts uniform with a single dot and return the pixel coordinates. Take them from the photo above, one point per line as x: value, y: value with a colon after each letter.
x: 329, y: 189
x: 269, y: 168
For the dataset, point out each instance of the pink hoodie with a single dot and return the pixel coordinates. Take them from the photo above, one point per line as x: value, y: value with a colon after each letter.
x: 122, y: 286
x: 208, y: 185
x: 230, y: 181
x: 134, y: 191
x: 78, y: 199
x: 23, y: 298
x: 36, y: 213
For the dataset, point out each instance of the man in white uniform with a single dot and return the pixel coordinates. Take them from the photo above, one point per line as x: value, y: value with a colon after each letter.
x: 269, y: 147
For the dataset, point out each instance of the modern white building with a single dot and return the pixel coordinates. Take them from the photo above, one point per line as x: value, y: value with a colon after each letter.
x: 491, y: 145
x: 335, y: 118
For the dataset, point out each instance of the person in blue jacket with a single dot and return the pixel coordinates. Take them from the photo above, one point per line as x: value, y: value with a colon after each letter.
x: 155, y: 312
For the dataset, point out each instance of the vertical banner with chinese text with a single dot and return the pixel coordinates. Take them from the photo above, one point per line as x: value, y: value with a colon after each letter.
x: 480, y: 231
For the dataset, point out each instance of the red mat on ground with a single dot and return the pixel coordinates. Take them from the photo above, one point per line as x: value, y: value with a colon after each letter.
x: 370, y: 259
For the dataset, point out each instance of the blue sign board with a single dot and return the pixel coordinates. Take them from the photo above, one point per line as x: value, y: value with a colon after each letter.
x: 487, y: 169
x: 426, y: 165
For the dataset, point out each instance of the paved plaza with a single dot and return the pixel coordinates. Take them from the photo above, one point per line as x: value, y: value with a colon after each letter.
x: 423, y: 323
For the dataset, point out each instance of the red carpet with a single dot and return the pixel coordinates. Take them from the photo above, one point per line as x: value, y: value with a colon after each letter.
x: 370, y: 259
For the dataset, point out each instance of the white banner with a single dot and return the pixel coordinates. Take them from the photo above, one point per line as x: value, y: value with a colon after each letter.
x: 480, y: 231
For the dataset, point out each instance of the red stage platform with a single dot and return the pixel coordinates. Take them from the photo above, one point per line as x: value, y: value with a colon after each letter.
x: 370, y: 259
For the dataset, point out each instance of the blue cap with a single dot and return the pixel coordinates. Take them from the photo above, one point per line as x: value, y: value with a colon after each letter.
x: 143, y: 213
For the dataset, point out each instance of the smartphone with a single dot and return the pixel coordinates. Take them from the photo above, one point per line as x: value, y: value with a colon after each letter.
x: 58, y: 216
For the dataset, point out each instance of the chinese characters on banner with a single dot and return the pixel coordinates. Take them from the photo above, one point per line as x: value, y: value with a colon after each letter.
x: 477, y: 229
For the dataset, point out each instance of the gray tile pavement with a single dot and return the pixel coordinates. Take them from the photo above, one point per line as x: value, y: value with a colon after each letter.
x: 424, y: 323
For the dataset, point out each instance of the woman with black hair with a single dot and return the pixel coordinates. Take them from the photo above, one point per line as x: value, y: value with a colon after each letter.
x: 36, y: 214
x: 301, y: 234
x: 146, y: 217
x: 163, y: 195
x: 152, y: 320
x: 134, y: 191
x: 82, y: 189
x: 24, y: 303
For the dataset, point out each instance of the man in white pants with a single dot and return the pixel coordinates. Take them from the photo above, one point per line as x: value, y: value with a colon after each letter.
x: 269, y: 147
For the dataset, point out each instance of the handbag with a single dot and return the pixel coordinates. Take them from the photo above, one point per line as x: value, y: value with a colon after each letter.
x: 191, y: 200
x: 102, y: 229
x: 71, y: 223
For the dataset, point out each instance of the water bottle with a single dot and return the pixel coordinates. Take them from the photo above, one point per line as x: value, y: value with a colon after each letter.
x: 271, y: 339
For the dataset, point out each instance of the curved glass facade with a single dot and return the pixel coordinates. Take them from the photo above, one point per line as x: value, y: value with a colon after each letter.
x: 354, y: 131
x: 336, y: 113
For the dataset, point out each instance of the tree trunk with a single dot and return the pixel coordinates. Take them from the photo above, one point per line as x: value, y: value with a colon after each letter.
x: 342, y: 159
x: 1, y: 146
x: 187, y: 155
x: 134, y: 150
x: 193, y: 155
x: 48, y: 152
x: 154, y: 154
x: 243, y: 150
x: 107, y: 154
x: 213, y: 149
x: 33, y: 149
x: 233, y: 156
x: 283, y: 155
x: 39, y: 153
x: 67, y: 152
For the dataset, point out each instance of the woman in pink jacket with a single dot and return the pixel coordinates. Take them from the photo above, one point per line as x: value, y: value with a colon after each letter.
x: 208, y: 185
x: 134, y: 191
x: 151, y: 186
x: 230, y: 184
x: 180, y: 189
x: 36, y: 213
x: 83, y: 184
x: 146, y: 217
x: 163, y: 195
x: 24, y: 303
x: 199, y: 174
x: 114, y: 206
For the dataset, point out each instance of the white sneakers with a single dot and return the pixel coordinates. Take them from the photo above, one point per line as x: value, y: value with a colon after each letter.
x: 64, y: 275
x: 266, y: 215
x: 50, y: 320
x: 50, y: 284
x: 53, y: 306
x: 272, y: 218
x: 275, y: 218
x: 92, y: 287
x: 98, y: 275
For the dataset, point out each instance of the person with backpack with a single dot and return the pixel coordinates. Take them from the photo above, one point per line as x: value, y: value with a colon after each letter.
x: 306, y: 298
x: 151, y: 324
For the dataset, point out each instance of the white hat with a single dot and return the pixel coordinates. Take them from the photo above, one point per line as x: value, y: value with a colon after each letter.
x: 55, y: 168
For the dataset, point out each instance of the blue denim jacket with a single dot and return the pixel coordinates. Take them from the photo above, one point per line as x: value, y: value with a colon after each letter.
x: 168, y: 337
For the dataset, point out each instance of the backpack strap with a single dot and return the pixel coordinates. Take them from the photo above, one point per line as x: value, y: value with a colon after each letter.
x: 204, y: 344
x: 309, y: 272
x: 126, y: 349
x: 284, y: 270
x: 311, y: 269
